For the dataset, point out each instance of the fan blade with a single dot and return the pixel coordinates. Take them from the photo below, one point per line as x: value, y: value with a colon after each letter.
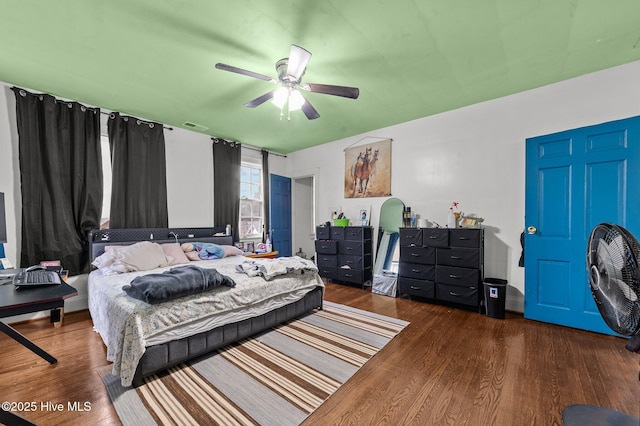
x: 327, y: 89
x: 230, y: 68
x: 260, y: 100
x: 298, y: 60
x: 309, y: 110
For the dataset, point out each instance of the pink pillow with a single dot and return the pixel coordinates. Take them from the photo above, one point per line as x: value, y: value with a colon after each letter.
x: 174, y: 254
x: 232, y: 251
x: 192, y: 255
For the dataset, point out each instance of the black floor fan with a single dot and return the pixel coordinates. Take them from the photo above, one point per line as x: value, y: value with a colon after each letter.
x: 614, y: 278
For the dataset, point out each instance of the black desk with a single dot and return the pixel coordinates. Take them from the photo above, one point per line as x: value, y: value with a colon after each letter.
x: 18, y: 301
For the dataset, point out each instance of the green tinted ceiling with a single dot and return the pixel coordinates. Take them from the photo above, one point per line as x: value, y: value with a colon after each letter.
x: 155, y: 59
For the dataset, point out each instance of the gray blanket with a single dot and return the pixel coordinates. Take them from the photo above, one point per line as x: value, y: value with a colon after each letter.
x: 175, y: 283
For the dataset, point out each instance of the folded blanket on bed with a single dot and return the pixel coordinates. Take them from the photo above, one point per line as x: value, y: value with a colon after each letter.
x: 271, y: 268
x: 176, y: 282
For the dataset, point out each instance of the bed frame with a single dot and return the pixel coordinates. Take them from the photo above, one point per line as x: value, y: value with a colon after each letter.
x: 160, y: 357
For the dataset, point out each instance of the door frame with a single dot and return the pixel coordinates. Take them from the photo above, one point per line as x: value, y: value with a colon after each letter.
x: 300, y: 235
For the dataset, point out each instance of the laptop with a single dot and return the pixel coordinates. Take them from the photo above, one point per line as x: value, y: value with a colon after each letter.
x: 36, y: 277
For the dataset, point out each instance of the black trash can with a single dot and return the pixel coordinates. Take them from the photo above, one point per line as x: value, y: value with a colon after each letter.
x: 495, y: 295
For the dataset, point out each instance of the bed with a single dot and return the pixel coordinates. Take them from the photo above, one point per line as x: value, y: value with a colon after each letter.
x: 144, y: 338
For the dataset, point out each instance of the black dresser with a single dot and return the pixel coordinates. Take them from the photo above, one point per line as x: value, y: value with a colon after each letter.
x: 344, y: 254
x: 442, y: 265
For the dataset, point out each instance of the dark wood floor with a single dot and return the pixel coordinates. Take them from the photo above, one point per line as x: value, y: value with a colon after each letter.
x: 447, y: 367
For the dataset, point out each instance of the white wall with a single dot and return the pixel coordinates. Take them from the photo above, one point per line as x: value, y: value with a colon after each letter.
x: 476, y: 156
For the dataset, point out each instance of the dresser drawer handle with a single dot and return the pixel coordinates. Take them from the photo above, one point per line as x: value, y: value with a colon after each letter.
x: 433, y: 237
x: 413, y: 287
x: 456, y: 257
x: 349, y: 248
x: 416, y: 270
x: 463, y: 238
x: 457, y: 277
x: 454, y: 294
x: 348, y: 275
x: 416, y: 254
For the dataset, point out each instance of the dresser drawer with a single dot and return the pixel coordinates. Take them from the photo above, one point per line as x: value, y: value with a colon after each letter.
x: 357, y: 233
x: 354, y: 262
x: 351, y: 275
x: 457, y: 276
x: 323, y: 233
x: 410, y: 236
x: 350, y: 247
x: 420, y: 288
x: 328, y: 272
x: 435, y: 237
x: 458, y: 294
x: 417, y: 271
x: 326, y: 246
x: 336, y: 232
x: 465, y: 238
x: 462, y: 257
x: 327, y: 260
x: 418, y: 254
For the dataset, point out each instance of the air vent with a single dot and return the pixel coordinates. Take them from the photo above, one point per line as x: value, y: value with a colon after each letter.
x: 194, y: 126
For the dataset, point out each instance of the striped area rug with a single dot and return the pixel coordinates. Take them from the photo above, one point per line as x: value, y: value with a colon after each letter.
x: 276, y: 378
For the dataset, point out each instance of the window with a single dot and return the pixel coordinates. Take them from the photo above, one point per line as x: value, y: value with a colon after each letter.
x: 251, y: 205
x: 106, y: 181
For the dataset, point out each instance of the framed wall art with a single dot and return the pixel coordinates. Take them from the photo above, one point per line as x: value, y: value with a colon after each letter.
x: 367, y: 170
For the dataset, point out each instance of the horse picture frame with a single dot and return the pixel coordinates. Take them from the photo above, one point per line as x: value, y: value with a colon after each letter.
x: 367, y: 170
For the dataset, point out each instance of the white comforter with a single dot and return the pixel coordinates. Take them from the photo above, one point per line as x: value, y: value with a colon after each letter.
x: 127, y: 325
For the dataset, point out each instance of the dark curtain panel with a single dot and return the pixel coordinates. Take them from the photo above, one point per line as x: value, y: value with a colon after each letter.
x: 138, y: 167
x: 265, y: 192
x: 61, y: 179
x: 226, y: 184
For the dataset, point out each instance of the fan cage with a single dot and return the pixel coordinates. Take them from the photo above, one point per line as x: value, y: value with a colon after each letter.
x: 614, y: 277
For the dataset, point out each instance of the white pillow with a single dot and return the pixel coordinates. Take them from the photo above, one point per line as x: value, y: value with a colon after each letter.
x: 141, y: 256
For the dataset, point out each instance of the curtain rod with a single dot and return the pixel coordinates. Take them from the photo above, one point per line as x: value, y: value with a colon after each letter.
x: 139, y: 120
x: 251, y: 147
x: 24, y: 92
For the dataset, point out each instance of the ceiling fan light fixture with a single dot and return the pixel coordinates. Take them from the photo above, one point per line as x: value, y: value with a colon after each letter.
x: 280, y: 97
x: 296, y: 100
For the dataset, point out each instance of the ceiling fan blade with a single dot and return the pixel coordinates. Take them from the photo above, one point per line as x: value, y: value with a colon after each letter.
x: 298, y: 60
x: 327, y: 89
x: 237, y: 70
x: 260, y: 100
x: 309, y: 110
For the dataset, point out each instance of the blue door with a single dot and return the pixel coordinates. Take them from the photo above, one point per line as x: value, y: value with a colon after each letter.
x: 575, y: 180
x: 280, y: 213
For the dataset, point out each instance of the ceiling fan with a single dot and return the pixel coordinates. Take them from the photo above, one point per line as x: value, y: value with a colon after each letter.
x: 290, y: 71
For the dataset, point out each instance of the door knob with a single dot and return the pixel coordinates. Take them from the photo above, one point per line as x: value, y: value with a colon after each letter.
x: 531, y: 230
